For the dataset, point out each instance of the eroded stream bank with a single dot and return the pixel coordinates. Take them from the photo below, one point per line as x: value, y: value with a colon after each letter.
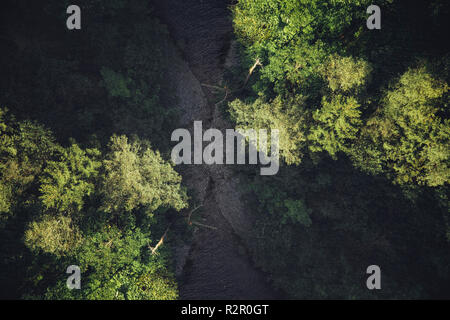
x: 216, y: 264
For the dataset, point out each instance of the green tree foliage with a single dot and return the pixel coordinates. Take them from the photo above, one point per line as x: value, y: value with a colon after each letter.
x: 57, y: 192
x: 295, y: 37
x: 402, y: 133
x: 378, y: 98
x: 66, y: 182
x: 115, y: 83
x: 111, y: 250
x: 108, y: 78
x: 278, y: 204
x: 56, y: 235
x: 338, y: 122
x: 136, y: 175
x: 116, y: 264
x: 288, y: 116
x: 120, y: 263
x: 345, y: 73
x: 320, y: 226
x: 409, y: 134
x: 25, y: 147
x: 6, y: 148
x: 331, y: 86
x: 331, y: 127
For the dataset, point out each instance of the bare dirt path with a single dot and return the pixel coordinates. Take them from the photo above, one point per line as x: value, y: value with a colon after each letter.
x: 216, y: 264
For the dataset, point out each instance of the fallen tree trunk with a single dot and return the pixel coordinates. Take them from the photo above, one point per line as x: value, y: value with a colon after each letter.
x: 160, y: 242
x: 257, y: 63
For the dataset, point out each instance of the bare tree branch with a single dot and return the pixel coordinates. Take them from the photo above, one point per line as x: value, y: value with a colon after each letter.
x: 160, y: 242
x: 190, y: 213
x: 257, y: 63
x: 204, y: 225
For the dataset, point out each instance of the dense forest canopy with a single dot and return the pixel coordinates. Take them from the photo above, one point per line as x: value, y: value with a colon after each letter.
x: 363, y: 118
x: 85, y: 176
